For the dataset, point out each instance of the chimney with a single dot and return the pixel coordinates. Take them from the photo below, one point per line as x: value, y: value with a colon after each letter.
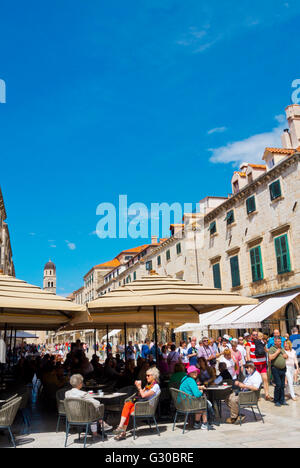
x: 286, y: 139
x: 293, y: 117
x: 153, y: 239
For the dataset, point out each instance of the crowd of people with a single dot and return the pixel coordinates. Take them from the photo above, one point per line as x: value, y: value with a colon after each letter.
x: 247, y: 363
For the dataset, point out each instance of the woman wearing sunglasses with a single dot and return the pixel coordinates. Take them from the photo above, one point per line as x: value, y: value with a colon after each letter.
x: 151, y: 390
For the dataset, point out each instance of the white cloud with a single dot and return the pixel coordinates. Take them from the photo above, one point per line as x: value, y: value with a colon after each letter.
x: 251, y: 149
x: 71, y: 245
x: 217, y: 130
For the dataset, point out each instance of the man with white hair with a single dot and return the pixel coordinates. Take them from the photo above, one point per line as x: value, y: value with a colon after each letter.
x: 76, y: 381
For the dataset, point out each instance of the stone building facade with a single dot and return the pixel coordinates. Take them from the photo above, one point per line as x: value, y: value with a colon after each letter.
x: 6, y: 261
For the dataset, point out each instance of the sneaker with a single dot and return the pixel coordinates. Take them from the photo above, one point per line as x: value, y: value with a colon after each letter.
x: 106, y: 427
x: 278, y: 405
x: 284, y: 403
x: 204, y: 427
x: 197, y: 425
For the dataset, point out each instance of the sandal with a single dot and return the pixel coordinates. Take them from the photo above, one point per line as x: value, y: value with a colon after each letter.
x: 269, y: 398
x: 120, y: 436
x: 118, y: 431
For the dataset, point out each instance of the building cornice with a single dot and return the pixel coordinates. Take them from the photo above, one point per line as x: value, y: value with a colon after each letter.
x: 247, y: 191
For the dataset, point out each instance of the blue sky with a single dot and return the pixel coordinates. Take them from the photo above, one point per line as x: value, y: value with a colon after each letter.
x: 156, y: 99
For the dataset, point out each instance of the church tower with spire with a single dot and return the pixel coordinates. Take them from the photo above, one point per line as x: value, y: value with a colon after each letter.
x: 49, y: 283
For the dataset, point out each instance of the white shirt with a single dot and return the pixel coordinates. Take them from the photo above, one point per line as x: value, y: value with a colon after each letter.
x: 75, y: 393
x: 253, y: 380
x: 2, y: 351
x: 230, y: 366
x: 243, y: 352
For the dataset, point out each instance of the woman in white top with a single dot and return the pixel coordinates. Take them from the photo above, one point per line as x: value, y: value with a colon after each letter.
x: 183, y: 352
x: 230, y: 364
x: 291, y: 365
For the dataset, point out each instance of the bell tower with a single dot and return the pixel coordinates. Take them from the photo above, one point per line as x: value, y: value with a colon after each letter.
x: 49, y: 283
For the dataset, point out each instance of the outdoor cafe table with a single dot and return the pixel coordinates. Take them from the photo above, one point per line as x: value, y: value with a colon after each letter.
x: 217, y: 395
x: 107, y: 396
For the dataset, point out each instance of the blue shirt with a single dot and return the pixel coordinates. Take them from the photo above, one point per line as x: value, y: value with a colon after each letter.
x: 295, y: 340
x: 145, y: 351
x: 193, y: 359
x: 189, y: 385
x: 271, y: 342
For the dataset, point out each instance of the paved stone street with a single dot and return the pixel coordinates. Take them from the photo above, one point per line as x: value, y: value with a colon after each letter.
x: 281, y: 429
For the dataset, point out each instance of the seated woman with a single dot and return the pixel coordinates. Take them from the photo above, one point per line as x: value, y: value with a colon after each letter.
x: 179, y: 374
x: 76, y: 383
x: 150, y: 391
x: 189, y: 386
x: 207, y: 373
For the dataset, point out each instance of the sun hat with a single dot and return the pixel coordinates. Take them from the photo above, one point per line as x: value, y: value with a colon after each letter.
x: 191, y: 369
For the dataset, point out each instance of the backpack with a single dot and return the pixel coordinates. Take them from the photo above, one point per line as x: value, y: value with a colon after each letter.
x: 259, y: 349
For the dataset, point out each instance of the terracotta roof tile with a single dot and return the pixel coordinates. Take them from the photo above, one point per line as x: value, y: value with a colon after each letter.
x: 280, y: 150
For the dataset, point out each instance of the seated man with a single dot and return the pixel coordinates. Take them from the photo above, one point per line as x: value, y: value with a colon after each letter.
x: 252, y: 382
x: 224, y: 374
x: 76, y: 382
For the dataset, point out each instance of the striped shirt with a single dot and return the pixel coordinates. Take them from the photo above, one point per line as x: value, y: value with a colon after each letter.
x: 256, y: 360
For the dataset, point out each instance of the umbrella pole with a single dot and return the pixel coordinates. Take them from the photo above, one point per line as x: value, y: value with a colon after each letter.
x: 155, y: 334
x: 15, y: 344
x: 125, y: 339
x: 10, y: 343
x: 107, y: 353
x: 95, y: 341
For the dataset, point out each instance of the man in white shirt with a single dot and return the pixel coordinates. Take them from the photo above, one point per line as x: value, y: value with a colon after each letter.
x: 252, y: 382
x: 76, y: 382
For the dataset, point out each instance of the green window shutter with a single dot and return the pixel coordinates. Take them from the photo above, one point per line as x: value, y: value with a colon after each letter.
x: 256, y: 264
x: 217, y: 276
x: 275, y: 190
x: 159, y: 260
x: 282, y: 254
x: 251, y: 205
x: 178, y: 248
x: 235, y: 271
x: 168, y: 255
x: 134, y: 275
x: 230, y: 217
x: 213, y: 228
x: 149, y: 265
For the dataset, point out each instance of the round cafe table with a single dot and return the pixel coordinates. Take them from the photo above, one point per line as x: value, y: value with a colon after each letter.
x: 218, y: 394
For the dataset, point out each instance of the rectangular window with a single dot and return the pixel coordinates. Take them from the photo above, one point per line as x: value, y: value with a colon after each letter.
x: 149, y: 265
x: 168, y: 255
x: 251, y: 205
x: 282, y: 254
x: 213, y: 228
x: 217, y: 276
x: 229, y: 217
x: 235, y: 271
x: 134, y: 275
x: 275, y: 190
x: 159, y: 260
x: 256, y: 264
x: 178, y: 248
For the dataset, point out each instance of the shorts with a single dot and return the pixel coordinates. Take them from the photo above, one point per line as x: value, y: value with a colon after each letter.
x: 262, y: 368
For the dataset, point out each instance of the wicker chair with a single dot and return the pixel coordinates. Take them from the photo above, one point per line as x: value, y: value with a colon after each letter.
x: 249, y: 400
x: 80, y: 412
x: 144, y: 410
x: 7, y: 416
x: 60, y: 396
x: 187, y: 404
x: 13, y: 397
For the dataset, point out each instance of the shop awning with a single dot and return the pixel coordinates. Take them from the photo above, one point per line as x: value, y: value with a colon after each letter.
x: 248, y: 316
x: 110, y: 335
